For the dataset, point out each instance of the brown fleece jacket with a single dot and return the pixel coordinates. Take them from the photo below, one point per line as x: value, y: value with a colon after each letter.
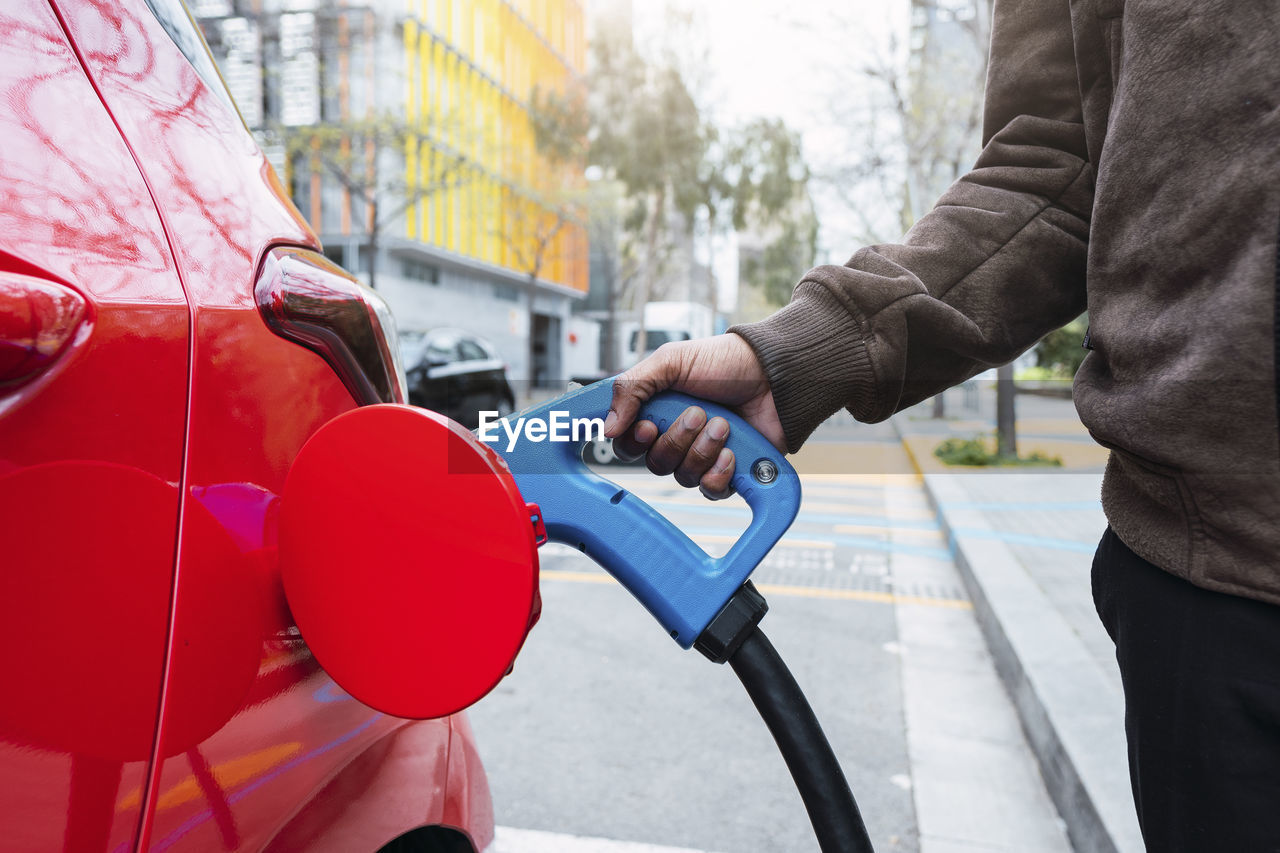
x: 1131, y: 164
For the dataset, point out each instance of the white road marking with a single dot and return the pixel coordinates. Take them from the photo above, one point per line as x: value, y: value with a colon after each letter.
x: 510, y: 840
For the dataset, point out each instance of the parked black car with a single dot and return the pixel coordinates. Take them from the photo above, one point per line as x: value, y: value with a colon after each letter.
x: 456, y: 374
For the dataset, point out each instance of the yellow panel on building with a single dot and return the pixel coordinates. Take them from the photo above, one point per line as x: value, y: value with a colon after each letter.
x: 472, y: 67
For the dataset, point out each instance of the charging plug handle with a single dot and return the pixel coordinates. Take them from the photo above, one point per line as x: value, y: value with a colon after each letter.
x: 682, y: 585
x: 733, y: 624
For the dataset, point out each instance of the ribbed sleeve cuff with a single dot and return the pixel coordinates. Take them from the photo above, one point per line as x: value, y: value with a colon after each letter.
x: 815, y: 356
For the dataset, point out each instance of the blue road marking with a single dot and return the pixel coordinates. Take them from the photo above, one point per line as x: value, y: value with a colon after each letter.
x: 865, y: 542
x: 802, y: 518
x: 871, y: 543
x: 1012, y: 538
x: 1024, y: 506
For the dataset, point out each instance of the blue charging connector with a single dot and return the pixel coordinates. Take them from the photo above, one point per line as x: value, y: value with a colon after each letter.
x: 676, y: 580
x: 688, y: 590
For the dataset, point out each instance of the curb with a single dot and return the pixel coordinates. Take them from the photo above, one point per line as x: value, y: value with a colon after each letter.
x: 1072, y: 717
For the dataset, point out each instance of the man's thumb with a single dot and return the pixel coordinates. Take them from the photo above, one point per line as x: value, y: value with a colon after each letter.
x: 634, y: 387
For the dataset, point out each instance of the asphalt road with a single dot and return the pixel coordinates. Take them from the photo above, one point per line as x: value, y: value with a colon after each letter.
x: 608, y: 730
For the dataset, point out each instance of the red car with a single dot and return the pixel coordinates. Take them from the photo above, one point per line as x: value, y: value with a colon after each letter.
x: 169, y: 339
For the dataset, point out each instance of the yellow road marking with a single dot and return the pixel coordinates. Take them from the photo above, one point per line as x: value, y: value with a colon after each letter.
x: 788, y: 542
x: 575, y: 577
x: 898, y: 513
x: 903, y: 532
x: 789, y: 591
x: 861, y: 595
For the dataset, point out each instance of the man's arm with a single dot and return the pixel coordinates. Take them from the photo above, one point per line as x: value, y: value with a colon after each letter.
x: 998, y: 263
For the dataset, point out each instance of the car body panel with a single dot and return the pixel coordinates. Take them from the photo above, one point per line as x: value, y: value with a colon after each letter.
x: 386, y: 779
x: 91, y: 454
x: 251, y: 733
x: 467, y: 800
x: 234, y: 686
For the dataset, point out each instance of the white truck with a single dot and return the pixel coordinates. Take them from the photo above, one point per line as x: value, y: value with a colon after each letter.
x: 665, y: 322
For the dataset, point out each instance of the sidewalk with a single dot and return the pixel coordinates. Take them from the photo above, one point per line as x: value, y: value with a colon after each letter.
x: 1023, y: 540
x: 1045, y: 424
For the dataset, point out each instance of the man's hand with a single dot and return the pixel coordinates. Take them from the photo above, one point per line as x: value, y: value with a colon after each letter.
x: 723, y: 369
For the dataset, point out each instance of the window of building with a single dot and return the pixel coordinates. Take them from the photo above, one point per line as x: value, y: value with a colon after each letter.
x: 300, y: 70
x: 299, y: 175
x: 419, y: 271
x: 173, y: 16
x: 337, y: 254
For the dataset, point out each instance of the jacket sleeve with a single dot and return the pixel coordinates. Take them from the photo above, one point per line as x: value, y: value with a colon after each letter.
x: 998, y: 263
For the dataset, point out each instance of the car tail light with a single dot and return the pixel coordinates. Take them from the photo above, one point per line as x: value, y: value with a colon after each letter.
x: 38, y: 320
x: 311, y: 301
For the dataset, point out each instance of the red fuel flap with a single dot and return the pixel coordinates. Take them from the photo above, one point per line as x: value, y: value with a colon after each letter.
x: 409, y: 559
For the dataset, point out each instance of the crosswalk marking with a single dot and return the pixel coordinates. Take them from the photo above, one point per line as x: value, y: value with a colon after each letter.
x: 510, y: 840
x: 786, y: 591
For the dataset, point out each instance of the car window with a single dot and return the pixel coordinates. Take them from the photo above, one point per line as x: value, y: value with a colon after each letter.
x: 177, y: 22
x: 442, y: 351
x: 471, y: 351
x: 411, y: 346
x: 656, y: 338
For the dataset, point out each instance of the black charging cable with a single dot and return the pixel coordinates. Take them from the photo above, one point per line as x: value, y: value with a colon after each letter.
x: 734, y: 636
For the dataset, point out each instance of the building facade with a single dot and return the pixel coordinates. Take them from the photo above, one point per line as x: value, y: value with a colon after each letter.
x: 404, y: 130
x: 946, y: 73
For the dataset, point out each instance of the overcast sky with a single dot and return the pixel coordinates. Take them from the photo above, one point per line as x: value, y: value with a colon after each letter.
x: 790, y: 59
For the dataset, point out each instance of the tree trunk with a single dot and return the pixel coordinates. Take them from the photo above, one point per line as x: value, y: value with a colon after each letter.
x: 656, y: 217
x: 373, y: 244
x: 1006, y: 428
x: 611, y: 323
x: 533, y: 289
x: 939, y: 406
x: 712, y: 296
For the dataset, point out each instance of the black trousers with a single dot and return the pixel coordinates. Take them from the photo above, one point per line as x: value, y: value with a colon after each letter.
x: 1201, y: 673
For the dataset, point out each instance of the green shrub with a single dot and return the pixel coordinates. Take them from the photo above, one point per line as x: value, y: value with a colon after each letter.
x: 981, y: 452
x: 964, y: 451
x: 1060, y: 352
x: 1036, y: 373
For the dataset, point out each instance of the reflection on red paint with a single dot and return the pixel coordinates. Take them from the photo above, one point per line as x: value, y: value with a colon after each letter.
x: 90, y: 449
x: 139, y: 388
x: 256, y: 398
x: 38, y: 319
x: 96, y: 595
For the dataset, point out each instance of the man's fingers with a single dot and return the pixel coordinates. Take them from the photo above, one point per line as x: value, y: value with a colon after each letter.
x: 637, y: 385
x: 671, y: 447
x: 693, y: 448
x: 724, y: 369
x: 635, y: 441
x: 703, y: 453
x: 716, y: 483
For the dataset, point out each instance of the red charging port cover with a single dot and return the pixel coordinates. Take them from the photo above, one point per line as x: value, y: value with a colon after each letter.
x: 409, y: 560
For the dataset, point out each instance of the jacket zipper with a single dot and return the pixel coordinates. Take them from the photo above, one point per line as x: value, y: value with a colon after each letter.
x: 1276, y: 329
